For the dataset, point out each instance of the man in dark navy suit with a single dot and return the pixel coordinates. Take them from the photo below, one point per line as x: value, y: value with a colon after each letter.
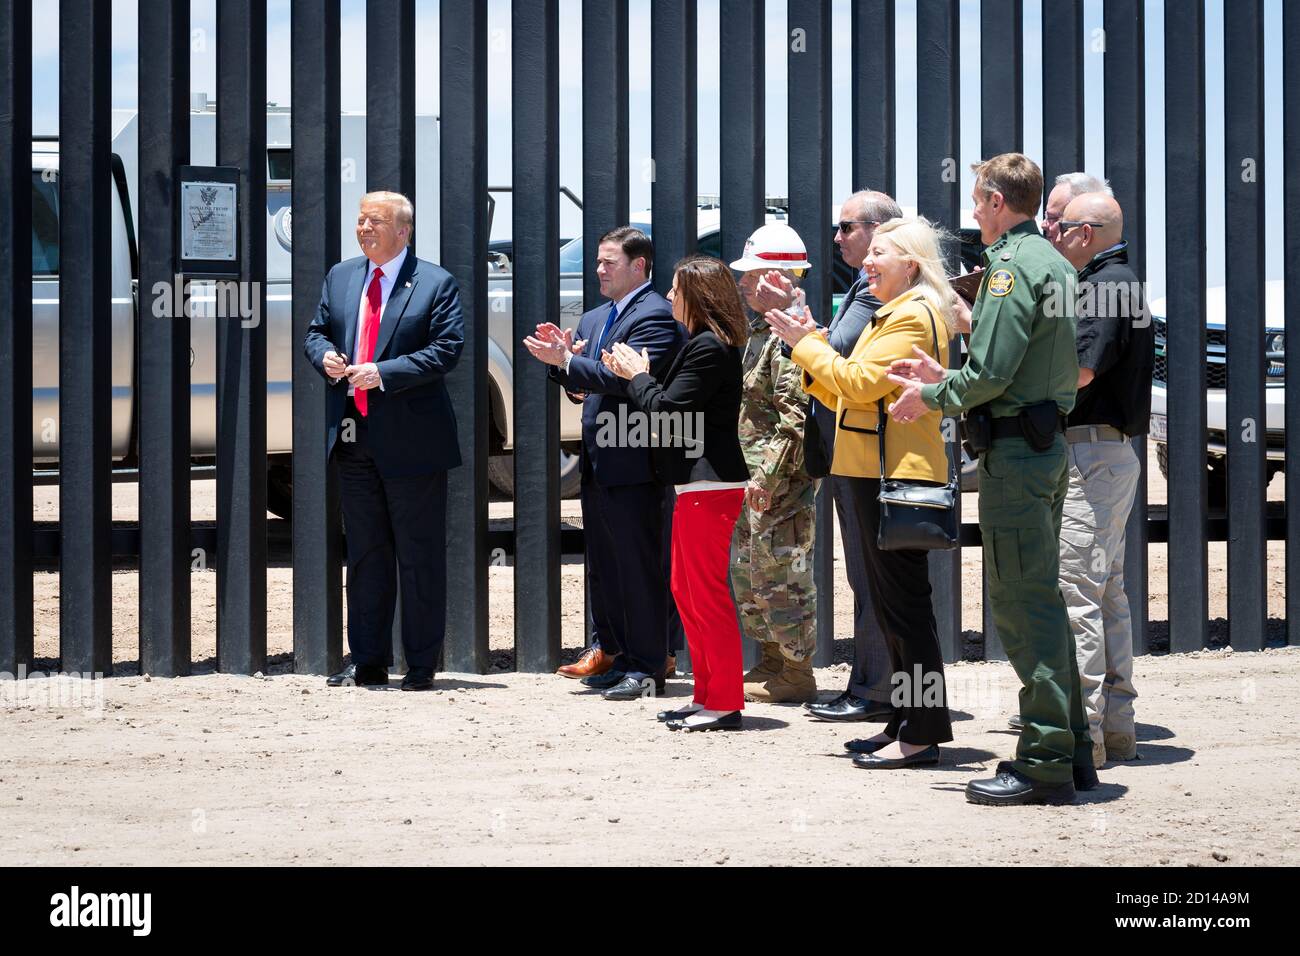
x: 623, y: 516
x: 387, y: 332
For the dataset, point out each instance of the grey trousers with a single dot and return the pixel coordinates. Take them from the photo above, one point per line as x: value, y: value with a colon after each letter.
x: 1103, y: 479
x: 870, y: 677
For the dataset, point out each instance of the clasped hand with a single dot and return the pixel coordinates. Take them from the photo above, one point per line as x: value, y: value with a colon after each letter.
x: 624, y: 361
x: 790, y: 329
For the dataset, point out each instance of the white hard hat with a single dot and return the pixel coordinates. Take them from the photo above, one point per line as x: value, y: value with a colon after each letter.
x: 773, y: 246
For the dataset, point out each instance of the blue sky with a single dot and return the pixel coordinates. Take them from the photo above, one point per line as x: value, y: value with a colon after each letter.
x: 125, y: 79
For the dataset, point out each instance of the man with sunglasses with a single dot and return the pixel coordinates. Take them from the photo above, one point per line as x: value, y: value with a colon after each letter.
x: 869, y: 687
x: 1067, y: 187
x: 1116, y: 345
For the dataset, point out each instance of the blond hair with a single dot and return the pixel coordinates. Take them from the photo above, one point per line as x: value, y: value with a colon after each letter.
x: 403, y: 210
x: 919, y: 241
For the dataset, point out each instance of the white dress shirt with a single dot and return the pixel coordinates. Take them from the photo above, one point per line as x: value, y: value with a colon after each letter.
x: 386, y: 283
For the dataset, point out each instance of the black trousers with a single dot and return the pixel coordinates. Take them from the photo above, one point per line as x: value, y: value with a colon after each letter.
x: 623, y: 529
x: 899, y: 585
x: 869, y: 679
x: 395, y: 527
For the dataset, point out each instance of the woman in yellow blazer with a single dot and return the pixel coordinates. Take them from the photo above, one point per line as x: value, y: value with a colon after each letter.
x: 904, y: 271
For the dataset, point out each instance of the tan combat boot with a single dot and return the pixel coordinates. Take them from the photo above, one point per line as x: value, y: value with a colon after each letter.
x: 1098, y: 755
x: 769, y: 664
x: 1121, y: 746
x: 794, y: 685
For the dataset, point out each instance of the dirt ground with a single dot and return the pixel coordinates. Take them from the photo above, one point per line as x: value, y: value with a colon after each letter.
x: 517, y: 768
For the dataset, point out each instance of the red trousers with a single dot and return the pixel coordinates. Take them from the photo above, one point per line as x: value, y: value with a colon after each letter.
x: 703, y: 523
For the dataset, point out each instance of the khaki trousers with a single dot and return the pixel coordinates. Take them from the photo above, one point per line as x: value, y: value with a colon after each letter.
x: 1103, y: 478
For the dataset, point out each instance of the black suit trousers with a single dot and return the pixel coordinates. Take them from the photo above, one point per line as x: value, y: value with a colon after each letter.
x: 395, y: 528
x: 623, y: 527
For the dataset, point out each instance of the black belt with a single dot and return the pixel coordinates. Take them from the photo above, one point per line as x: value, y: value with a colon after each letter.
x: 1009, y: 427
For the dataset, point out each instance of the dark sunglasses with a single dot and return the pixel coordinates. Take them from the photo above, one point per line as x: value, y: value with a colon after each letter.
x: 1065, y: 225
x: 845, y: 226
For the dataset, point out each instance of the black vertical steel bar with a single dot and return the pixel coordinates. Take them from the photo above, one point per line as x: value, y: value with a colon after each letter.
x: 317, y: 531
x: 606, y: 168
x: 808, y: 53
x: 16, y: 524
x: 85, y: 336
x: 1291, y: 276
x: 390, y: 97
x: 1063, y: 49
x: 1124, y: 24
x: 1002, y: 76
x: 672, y: 134
x: 938, y: 197
x: 164, y: 375
x: 535, y: 118
x: 741, y: 164
x: 874, y: 157
x: 241, y: 346
x: 463, y: 144
x: 1185, y: 167
x: 16, y: 615
x: 1243, y: 97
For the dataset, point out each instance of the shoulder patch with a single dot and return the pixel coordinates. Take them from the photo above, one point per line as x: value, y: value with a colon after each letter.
x: 1001, y: 282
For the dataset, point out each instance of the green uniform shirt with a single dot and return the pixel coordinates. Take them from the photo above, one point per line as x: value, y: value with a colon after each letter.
x: 1022, y: 349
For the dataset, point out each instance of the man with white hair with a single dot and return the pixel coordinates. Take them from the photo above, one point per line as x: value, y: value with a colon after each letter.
x: 387, y: 332
x: 1068, y: 186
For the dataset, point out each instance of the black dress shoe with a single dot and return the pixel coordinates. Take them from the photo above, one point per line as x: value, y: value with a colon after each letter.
x: 1085, y: 777
x: 667, y: 715
x: 634, y: 688
x: 873, y: 761
x: 865, y: 746
x: 604, y: 681
x: 1011, y: 788
x: 847, y: 707
x: 359, y: 675
x: 1016, y: 722
x: 809, y: 704
x: 731, y: 721
x: 418, y: 678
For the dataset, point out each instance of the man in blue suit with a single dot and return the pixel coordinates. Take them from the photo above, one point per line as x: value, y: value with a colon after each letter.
x: 623, y: 516
x: 387, y: 332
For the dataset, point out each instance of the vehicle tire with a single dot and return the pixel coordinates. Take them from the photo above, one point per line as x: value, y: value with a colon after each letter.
x: 501, y: 472
x: 279, y: 491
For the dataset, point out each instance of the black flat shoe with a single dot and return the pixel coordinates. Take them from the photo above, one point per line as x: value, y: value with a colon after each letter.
x: 633, y: 688
x: 604, y: 681
x: 1085, y: 777
x: 808, y: 705
x: 359, y: 675
x: 873, y: 761
x: 731, y: 721
x: 849, y: 708
x: 418, y: 678
x: 863, y: 746
x: 666, y: 715
x: 1010, y: 788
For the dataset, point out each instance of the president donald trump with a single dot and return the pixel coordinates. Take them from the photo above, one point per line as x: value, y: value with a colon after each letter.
x: 387, y: 332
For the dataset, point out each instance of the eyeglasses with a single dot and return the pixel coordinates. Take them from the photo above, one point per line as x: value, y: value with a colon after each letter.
x: 845, y: 226
x: 1066, y: 225
x: 1050, y: 220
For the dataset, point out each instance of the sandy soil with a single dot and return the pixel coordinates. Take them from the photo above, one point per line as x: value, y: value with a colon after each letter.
x: 519, y: 769
x: 514, y: 768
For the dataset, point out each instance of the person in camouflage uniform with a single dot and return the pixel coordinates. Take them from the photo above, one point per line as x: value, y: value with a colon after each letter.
x: 772, y: 576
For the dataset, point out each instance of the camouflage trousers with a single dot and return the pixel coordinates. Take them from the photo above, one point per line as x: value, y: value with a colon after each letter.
x: 772, y: 576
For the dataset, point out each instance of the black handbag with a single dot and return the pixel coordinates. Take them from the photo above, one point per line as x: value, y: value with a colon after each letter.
x: 916, y: 515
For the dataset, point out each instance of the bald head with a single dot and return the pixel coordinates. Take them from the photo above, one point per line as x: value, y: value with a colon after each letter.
x: 1103, y: 226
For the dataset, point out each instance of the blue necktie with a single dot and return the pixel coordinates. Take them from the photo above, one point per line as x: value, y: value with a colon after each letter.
x: 609, y: 324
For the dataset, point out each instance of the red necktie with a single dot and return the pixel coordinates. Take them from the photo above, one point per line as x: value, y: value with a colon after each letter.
x: 369, y: 335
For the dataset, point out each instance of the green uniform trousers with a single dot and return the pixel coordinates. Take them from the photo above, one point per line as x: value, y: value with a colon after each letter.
x: 1021, y: 494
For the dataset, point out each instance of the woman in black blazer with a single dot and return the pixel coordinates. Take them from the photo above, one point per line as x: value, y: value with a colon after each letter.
x: 692, y: 420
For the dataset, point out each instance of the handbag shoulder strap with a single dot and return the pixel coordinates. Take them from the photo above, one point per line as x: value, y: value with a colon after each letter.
x: 880, y: 402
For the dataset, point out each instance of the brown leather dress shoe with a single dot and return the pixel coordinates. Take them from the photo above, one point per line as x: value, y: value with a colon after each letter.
x: 592, y: 663
x: 670, y: 668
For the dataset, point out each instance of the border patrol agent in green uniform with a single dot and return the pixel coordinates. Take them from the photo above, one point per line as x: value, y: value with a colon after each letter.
x: 1016, y: 387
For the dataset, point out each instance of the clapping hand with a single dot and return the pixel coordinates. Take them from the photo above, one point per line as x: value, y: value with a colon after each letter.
x: 774, y: 291
x: 790, y: 329
x: 624, y: 361
x: 550, y: 344
x: 923, y: 369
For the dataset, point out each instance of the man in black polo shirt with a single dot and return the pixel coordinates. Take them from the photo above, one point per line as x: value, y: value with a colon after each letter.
x: 1116, y: 346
